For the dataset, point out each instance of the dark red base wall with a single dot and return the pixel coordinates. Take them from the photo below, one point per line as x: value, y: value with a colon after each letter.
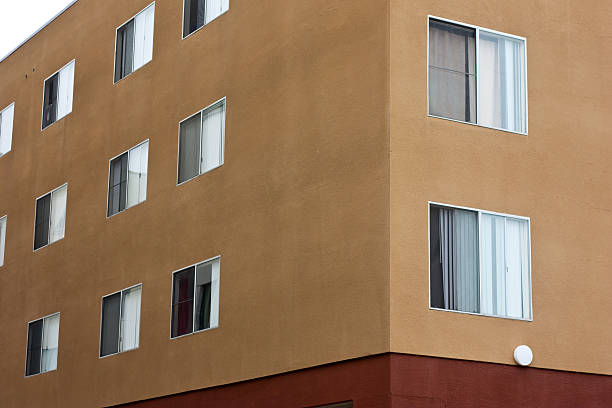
x: 405, y: 381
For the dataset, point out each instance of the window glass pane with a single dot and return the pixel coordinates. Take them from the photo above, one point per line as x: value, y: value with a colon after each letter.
x: 124, y: 58
x: 143, y: 37
x: 456, y: 269
x: 137, y: 178
x: 65, y: 90
x: 501, y: 86
x: 517, y: 267
x: 493, y: 265
x: 117, y: 190
x: 2, y: 239
x: 58, y: 214
x: 212, y: 138
x: 35, y: 330
x: 6, y: 129
x: 182, y: 302
x: 452, y: 83
x: 109, y: 343
x: 194, y: 15
x: 189, y: 148
x: 130, y: 319
x: 50, y: 100
x: 50, y: 342
x: 214, y: 8
x: 41, y: 228
x: 203, y: 294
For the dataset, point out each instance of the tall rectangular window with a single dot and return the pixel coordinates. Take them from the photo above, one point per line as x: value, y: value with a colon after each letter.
x: 6, y: 129
x: 50, y: 218
x: 2, y: 238
x: 198, y: 13
x: 127, y: 184
x: 134, y: 43
x: 120, y: 324
x: 201, y: 142
x: 480, y: 262
x: 58, y: 95
x: 43, y: 342
x: 477, y: 76
x: 195, y: 298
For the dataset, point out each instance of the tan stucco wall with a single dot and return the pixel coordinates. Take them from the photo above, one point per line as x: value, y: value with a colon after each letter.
x: 558, y: 175
x: 299, y: 212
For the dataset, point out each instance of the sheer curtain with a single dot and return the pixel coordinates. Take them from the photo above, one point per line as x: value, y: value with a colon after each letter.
x: 65, y: 93
x: 137, y: 177
x: 501, y: 82
x: 212, y: 138
x: 214, y: 297
x: 143, y: 36
x: 214, y: 8
x: 50, y: 342
x: 6, y: 129
x: 2, y: 239
x: 130, y: 319
x: 58, y: 213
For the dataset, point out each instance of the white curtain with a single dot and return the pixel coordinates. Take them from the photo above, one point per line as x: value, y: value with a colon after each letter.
x: 214, y: 8
x: 66, y: 87
x: 6, y: 129
x: 501, y: 82
x: 130, y: 319
x: 506, y: 288
x: 213, y: 122
x: 137, y: 174
x: 466, y: 258
x: 143, y: 36
x: 50, y: 343
x: 2, y: 239
x: 214, y: 294
x: 58, y: 213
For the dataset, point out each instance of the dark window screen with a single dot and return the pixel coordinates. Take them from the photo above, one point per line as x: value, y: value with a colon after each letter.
x: 182, y: 302
x: 41, y: 227
x: 194, y: 16
x: 109, y: 343
x: 124, y: 54
x: 117, y: 184
x: 435, y: 262
x: 50, y: 100
x: 189, y: 148
x: 35, y: 330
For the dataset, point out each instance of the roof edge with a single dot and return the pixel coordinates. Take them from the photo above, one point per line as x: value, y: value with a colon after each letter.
x: 38, y: 30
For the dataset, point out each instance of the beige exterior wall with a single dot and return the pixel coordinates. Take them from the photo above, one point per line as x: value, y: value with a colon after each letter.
x: 299, y: 212
x: 557, y: 175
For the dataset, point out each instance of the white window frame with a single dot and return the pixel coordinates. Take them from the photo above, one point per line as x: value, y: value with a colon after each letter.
x: 115, y: 53
x: 42, y: 342
x: 478, y: 29
x: 50, y: 209
x: 42, y: 112
x: 120, y: 314
x: 479, y: 212
x: 10, y: 105
x: 178, y: 150
x: 127, y: 179
x: 195, y: 266
x: 183, y: 37
x: 4, y: 219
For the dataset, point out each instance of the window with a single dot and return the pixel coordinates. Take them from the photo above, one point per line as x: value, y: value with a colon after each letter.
x: 43, y: 340
x: 120, y: 326
x: 2, y: 238
x: 134, y: 45
x: 127, y: 181
x: 198, y: 13
x: 479, y: 262
x: 201, y: 142
x: 57, y: 100
x: 195, y: 298
x: 6, y: 129
x: 50, y: 220
x: 477, y: 76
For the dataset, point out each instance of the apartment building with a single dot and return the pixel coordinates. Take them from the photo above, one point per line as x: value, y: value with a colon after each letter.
x: 324, y: 203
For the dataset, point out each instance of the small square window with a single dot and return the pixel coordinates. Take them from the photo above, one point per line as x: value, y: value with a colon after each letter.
x: 480, y: 262
x: 43, y: 341
x: 201, y: 142
x: 58, y: 94
x: 6, y: 129
x: 195, y: 298
x: 120, y: 324
x: 127, y: 183
x: 50, y: 219
x: 198, y: 13
x: 134, y: 44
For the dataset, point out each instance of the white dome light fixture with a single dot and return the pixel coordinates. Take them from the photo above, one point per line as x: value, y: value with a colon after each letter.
x: 523, y: 355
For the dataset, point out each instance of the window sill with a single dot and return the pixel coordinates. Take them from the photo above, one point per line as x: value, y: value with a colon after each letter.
x: 200, y: 175
x: 42, y: 129
x: 118, y: 353
x: 476, y: 124
x: 48, y: 245
x: 198, y: 29
x: 131, y: 73
x: 122, y: 211
x: 41, y: 373
x: 482, y: 314
x: 192, y: 333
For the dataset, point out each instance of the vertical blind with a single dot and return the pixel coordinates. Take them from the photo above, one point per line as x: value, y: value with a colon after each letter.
x: 137, y: 174
x: 50, y: 341
x: 130, y: 319
x: 6, y: 129
x: 58, y: 214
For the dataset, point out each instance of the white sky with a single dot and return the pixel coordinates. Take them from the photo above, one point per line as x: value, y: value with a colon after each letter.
x: 20, y: 18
